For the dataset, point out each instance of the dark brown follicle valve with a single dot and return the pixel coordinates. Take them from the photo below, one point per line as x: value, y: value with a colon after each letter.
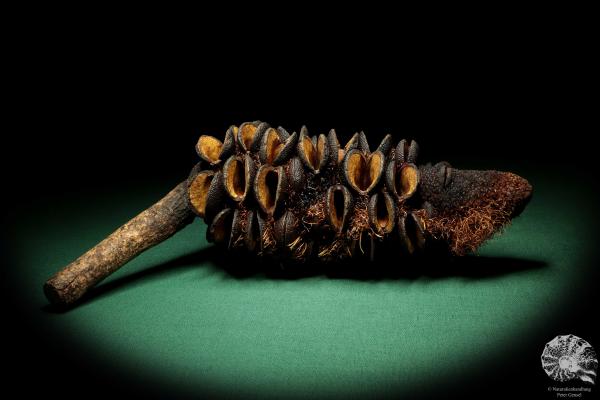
x: 297, y: 198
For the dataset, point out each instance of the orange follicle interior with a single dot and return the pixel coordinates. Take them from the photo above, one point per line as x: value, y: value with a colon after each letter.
x: 198, y: 191
x: 267, y: 186
x: 362, y: 173
x: 407, y: 181
x: 248, y: 133
x: 273, y: 145
x: 236, y: 178
x: 210, y: 147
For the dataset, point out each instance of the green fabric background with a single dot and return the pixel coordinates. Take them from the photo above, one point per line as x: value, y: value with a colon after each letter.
x: 175, y: 316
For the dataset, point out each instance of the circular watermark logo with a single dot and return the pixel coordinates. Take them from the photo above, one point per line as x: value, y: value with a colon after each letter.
x: 570, y: 357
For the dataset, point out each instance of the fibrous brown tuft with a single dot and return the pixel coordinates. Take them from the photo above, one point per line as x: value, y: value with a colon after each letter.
x: 359, y: 220
x: 315, y: 214
x: 268, y: 239
x: 467, y: 228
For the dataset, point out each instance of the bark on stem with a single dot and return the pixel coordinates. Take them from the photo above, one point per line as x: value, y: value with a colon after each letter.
x: 152, y: 226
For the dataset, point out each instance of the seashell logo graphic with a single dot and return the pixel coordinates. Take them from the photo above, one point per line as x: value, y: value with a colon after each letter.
x: 569, y: 357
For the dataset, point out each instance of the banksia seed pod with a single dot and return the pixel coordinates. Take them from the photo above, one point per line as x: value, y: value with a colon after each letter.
x: 296, y: 198
x: 312, y: 193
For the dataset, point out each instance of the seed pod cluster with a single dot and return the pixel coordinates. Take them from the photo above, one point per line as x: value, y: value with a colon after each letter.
x: 294, y: 196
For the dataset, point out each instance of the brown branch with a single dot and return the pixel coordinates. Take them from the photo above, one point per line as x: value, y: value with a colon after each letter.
x: 159, y: 222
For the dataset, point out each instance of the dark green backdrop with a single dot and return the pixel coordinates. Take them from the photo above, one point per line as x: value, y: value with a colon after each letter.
x: 178, y: 319
x: 107, y: 126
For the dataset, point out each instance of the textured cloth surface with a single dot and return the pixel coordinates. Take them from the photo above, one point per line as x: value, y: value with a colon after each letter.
x: 176, y: 316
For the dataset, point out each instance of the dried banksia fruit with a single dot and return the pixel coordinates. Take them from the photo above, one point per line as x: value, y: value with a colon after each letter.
x: 346, y: 200
x: 296, y: 198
